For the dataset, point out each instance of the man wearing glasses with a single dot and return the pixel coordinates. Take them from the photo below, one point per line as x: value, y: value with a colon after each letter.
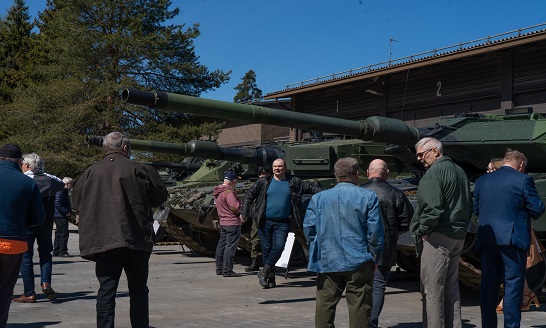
x: 439, y: 228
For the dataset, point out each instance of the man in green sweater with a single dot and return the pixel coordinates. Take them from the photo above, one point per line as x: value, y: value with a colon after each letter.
x: 438, y: 227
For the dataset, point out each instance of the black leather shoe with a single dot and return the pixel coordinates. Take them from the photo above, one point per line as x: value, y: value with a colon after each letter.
x: 254, y: 266
x: 65, y: 255
x: 232, y: 274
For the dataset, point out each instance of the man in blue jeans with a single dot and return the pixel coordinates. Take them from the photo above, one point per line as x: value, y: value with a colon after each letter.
x: 278, y: 202
x: 33, y: 166
x: 397, y: 212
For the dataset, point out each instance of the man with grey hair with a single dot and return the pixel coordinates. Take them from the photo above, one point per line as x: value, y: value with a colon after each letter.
x: 114, y: 198
x: 438, y: 227
x: 352, y: 215
x: 33, y: 166
x: 397, y: 212
x: 505, y: 200
x: 63, y: 210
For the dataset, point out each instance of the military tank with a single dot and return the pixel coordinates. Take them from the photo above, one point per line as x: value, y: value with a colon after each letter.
x: 470, y: 139
x: 190, y: 215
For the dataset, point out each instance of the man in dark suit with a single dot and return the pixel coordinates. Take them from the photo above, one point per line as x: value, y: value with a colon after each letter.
x: 505, y: 201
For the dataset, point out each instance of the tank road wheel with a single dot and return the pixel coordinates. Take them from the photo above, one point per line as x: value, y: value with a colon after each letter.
x: 182, y: 232
x: 208, y: 240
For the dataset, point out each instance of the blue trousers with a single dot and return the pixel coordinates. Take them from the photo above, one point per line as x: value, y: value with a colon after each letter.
x: 272, y: 238
x: 108, y: 269
x: 506, y: 261
x: 42, y: 236
x: 380, y: 279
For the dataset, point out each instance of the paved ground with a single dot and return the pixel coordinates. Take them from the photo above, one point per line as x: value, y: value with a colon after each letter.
x: 185, y: 292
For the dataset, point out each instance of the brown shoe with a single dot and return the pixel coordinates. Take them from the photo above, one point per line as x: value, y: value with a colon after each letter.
x: 48, y: 291
x: 25, y: 299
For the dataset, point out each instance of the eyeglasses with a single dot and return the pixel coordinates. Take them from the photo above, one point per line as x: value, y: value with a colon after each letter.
x: 423, y: 153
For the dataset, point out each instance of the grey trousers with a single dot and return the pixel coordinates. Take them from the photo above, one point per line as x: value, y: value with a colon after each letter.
x: 440, y: 281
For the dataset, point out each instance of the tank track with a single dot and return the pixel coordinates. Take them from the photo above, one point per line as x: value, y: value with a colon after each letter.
x: 175, y: 232
x: 190, y: 241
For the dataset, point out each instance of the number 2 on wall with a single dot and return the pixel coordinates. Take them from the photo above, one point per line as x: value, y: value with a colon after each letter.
x: 439, y: 85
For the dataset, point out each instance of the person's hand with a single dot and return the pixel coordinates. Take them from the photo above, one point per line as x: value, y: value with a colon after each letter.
x: 424, y: 237
x: 243, y: 219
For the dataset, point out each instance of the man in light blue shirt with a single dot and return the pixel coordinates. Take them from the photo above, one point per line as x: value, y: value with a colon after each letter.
x: 344, y: 230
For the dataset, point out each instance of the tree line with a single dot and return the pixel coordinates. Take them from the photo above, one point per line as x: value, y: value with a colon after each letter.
x: 61, y: 74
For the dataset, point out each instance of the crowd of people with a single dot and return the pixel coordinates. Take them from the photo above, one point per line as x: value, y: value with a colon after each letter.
x: 351, y: 230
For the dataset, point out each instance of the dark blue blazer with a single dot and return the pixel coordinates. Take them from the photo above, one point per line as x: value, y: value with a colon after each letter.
x: 505, y: 201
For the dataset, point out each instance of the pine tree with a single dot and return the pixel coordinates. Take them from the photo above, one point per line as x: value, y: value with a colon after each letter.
x: 248, y: 91
x: 15, y: 38
x: 86, y: 51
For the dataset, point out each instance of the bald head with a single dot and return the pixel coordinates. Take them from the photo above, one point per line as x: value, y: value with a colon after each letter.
x: 378, y: 169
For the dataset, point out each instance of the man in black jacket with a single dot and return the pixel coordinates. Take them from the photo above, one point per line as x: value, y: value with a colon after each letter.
x: 33, y: 166
x: 278, y: 202
x: 114, y: 198
x: 397, y: 212
x: 63, y: 210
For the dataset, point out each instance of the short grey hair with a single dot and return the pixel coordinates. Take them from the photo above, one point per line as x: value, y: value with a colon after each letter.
x: 34, y: 161
x: 345, y: 168
x: 430, y: 143
x: 68, y: 180
x: 114, y: 141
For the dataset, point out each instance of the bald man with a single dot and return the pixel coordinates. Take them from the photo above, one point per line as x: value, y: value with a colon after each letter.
x: 397, y: 212
x: 278, y: 202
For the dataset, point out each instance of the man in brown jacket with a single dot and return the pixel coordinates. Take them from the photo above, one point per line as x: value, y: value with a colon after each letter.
x: 114, y: 198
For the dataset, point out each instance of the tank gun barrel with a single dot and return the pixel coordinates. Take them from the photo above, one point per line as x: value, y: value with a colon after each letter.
x: 175, y: 166
x: 374, y: 128
x: 201, y: 149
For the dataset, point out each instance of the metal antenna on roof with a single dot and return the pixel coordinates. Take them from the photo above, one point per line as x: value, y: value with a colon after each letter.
x: 391, y: 40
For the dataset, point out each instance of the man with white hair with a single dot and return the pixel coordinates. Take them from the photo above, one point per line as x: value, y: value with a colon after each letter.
x: 63, y: 211
x: 33, y: 166
x: 438, y: 227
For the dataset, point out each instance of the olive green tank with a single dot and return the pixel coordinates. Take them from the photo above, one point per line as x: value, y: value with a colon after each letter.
x: 471, y: 140
x: 192, y: 218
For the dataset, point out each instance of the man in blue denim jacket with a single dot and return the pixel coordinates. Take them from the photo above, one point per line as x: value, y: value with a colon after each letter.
x: 344, y: 230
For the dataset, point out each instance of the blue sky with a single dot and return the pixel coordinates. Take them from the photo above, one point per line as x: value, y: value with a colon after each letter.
x: 291, y: 41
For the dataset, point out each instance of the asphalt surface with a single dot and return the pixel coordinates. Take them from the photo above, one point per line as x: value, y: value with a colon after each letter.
x: 186, y: 292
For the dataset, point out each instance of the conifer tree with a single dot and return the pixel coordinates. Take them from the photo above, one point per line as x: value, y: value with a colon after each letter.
x: 85, y: 52
x: 247, y: 90
x: 15, y: 41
